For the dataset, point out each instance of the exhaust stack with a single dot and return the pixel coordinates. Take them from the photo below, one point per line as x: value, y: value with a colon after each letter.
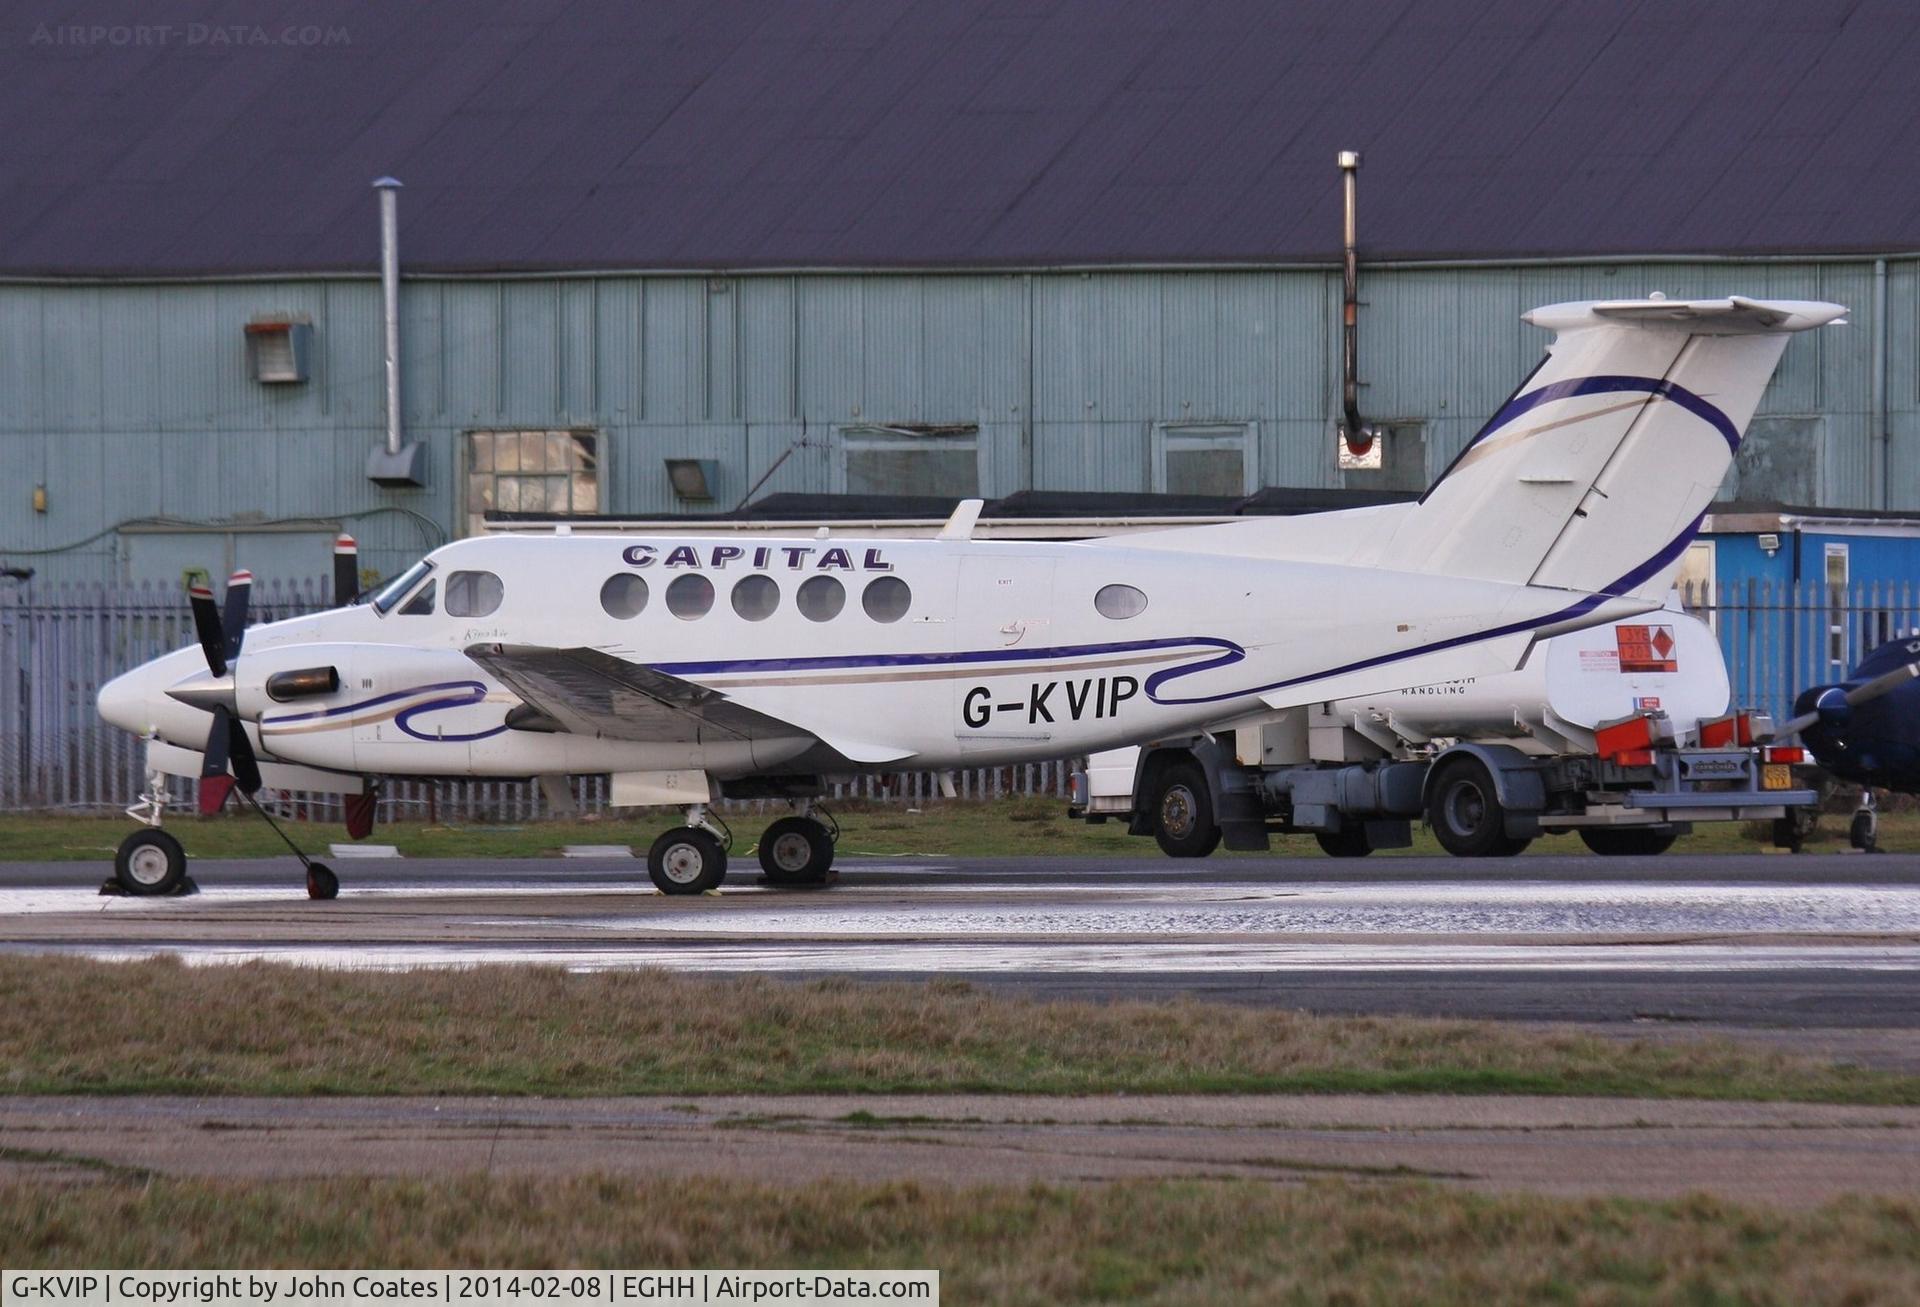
x: 394, y: 465
x: 1355, y: 432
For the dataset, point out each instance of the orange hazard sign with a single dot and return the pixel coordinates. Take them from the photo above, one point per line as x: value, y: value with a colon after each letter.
x: 1646, y: 648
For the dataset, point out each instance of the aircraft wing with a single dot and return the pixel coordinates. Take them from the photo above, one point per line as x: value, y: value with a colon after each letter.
x: 587, y: 692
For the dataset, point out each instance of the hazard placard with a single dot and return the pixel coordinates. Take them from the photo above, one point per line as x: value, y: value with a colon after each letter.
x: 1646, y: 648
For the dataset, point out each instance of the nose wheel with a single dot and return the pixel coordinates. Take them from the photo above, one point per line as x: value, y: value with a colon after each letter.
x: 149, y: 863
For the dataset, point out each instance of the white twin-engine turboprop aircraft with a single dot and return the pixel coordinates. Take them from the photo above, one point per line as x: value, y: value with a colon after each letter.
x: 692, y: 668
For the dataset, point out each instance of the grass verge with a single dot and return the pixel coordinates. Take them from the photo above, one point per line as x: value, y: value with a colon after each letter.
x: 1138, y: 1242
x: 991, y: 828
x: 76, y: 1026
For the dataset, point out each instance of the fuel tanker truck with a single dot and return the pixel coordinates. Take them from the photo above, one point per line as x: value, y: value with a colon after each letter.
x: 1620, y: 734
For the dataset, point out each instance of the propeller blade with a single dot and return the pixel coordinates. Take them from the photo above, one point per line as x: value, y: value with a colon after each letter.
x: 1859, y: 694
x: 214, y: 757
x: 206, y: 625
x: 346, y: 571
x: 233, y: 622
x: 246, y: 767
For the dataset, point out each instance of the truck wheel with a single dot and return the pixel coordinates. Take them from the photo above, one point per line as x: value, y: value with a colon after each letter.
x: 1464, y: 810
x: 1627, y: 843
x: 1349, y: 842
x: 1183, y: 823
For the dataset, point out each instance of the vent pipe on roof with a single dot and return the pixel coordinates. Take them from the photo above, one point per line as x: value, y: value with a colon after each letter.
x: 394, y: 464
x: 1353, y: 430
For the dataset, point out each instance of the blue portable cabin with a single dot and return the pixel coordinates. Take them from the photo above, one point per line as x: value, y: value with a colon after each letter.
x: 1799, y: 595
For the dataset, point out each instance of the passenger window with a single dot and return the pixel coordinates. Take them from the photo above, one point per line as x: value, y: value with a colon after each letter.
x: 1119, y: 602
x: 623, y: 596
x: 886, y: 598
x: 690, y: 596
x: 820, y: 598
x: 421, y: 605
x: 473, y: 594
x: 756, y: 596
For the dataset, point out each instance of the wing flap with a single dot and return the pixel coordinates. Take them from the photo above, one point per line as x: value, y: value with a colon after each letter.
x: 588, y: 692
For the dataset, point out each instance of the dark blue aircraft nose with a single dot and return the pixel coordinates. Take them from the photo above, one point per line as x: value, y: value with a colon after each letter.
x: 1833, y: 708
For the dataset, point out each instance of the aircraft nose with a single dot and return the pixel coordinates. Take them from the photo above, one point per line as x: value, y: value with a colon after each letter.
x: 124, y: 703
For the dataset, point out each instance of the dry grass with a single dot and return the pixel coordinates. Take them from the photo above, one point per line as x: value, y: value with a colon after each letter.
x: 1134, y: 1242
x: 75, y: 1026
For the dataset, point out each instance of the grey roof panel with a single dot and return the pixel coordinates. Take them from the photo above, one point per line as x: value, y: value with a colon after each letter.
x: 696, y: 133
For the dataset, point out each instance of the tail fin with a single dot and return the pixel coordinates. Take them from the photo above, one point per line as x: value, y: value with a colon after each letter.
x: 1595, y: 475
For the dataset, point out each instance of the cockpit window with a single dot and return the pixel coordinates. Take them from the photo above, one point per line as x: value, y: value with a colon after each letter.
x: 421, y: 605
x: 473, y: 594
x: 390, y: 593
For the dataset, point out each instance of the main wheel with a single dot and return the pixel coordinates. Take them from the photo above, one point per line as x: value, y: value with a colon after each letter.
x: 1463, y: 807
x: 1183, y: 823
x: 1861, y: 832
x: 1347, y: 842
x: 321, y: 882
x: 1628, y: 843
x: 150, y: 861
x: 796, y: 851
x: 686, y: 860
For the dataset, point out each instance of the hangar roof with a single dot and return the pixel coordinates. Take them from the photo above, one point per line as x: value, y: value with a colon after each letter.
x: 605, y: 134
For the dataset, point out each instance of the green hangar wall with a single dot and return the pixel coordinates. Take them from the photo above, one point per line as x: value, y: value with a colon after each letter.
x: 139, y: 444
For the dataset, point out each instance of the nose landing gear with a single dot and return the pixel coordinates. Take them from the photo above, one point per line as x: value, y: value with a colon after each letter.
x: 150, y: 862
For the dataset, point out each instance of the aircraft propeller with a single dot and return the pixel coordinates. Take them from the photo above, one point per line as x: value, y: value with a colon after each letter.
x: 1833, y: 706
x: 221, y: 632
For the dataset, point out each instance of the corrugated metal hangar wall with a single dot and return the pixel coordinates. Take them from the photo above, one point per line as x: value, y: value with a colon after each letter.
x: 134, y: 405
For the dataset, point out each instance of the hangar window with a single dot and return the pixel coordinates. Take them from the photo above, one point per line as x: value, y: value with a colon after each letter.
x: 553, y: 473
x: 421, y: 605
x: 756, y: 596
x: 1210, y: 459
x: 623, y: 596
x: 941, y: 460
x: 886, y: 598
x: 473, y: 594
x: 1119, y: 602
x: 690, y: 596
x: 820, y: 598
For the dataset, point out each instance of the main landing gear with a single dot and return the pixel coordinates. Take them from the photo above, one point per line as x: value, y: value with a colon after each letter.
x: 692, y: 859
x: 150, y: 862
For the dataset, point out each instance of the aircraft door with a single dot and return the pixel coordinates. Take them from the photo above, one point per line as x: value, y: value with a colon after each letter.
x: 1005, y: 609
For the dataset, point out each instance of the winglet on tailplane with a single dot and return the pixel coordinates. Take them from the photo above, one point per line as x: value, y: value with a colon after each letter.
x: 1591, y: 478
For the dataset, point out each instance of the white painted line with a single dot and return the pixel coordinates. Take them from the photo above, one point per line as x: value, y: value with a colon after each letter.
x: 349, y: 852
x: 596, y: 851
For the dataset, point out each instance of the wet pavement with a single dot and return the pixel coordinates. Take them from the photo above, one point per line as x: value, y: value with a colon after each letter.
x: 1756, y: 940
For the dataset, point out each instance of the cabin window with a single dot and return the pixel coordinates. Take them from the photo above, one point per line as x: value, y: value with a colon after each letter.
x: 820, y: 598
x: 473, y: 594
x: 623, y: 596
x: 690, y: 596
x: 886, y: 598
x: 756, y: 596
x: 1119, y: 602
x: 552, y: 473
x: 942, y: 461
x: 421, y: 605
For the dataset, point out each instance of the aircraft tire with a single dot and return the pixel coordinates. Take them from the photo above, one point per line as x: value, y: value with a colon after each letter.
x: 322, y: 884
x: 1183, y: 823
x: 150, y: 862
x: 1627, y: 843
x: 1348, y: 842
x: 796, y: 851
x: 1464, y: 809
x: 686, y: 860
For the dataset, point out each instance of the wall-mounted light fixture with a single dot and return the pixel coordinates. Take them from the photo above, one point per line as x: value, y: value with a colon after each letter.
x: 278, y: 347
x: 39, y: 499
